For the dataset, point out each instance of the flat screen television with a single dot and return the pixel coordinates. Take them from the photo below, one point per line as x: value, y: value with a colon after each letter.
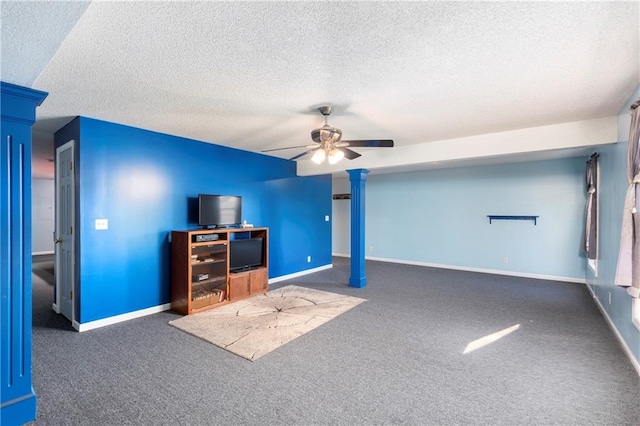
x: 218, y: 211
x: 245, y: 254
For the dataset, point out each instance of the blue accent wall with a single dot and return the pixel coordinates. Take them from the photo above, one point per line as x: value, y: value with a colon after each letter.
x: 294, y: 208
x: 440, y: 217
x: 613, y: 188
x: 145, y: 183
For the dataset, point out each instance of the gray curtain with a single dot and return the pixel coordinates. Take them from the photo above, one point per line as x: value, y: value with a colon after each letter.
x: 590, y: 232
x: 628, y: 268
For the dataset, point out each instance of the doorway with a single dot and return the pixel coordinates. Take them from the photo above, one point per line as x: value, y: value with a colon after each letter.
x: 64, y: 232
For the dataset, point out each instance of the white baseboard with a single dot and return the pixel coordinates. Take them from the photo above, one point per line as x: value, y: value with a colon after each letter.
x: 120, y: 318
x: 38, y: 253
x: 481, y: 270
x: 612, y: 326
x: 299, y: 274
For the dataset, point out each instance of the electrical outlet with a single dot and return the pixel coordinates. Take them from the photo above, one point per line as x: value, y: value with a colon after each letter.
x: 102, y: 224
x: 308, y: 259
x: 505, y: 260
x: 370, y: 248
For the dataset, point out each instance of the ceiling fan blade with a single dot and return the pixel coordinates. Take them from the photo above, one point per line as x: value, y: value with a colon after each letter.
x: 302, y: 154
x: 349, y: 154
x: 372, y: 143
x: 289, y: 147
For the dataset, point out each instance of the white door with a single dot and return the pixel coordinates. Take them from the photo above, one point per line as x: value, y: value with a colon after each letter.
x: 64, y: 233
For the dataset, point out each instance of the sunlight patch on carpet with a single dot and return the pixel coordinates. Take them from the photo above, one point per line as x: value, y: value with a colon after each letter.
x: 253, y: 327
x: 486, y: 340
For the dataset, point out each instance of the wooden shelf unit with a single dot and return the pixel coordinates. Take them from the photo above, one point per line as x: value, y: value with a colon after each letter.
x: 200, y: 276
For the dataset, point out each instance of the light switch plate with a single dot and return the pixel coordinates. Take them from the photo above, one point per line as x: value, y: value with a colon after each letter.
x: 326, y: 218
x: 102, y: 224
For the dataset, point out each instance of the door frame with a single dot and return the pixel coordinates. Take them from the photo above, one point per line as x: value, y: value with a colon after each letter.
x: 56, y: 304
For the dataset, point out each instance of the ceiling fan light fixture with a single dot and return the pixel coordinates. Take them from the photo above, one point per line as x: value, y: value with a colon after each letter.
x: 318, y: 156
x: 335, y: 155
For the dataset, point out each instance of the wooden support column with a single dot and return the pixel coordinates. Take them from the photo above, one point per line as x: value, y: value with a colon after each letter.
x: 17, y: 398
x: 358, y: 178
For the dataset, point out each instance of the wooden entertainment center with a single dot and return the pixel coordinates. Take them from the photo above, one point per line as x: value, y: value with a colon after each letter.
x: 200, y: 275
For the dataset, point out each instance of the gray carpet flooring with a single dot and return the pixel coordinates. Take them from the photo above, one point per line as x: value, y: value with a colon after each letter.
x: 397, y: 359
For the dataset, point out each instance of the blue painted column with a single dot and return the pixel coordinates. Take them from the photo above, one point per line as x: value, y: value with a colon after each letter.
x: 18, y: 105
x: 358, y: 178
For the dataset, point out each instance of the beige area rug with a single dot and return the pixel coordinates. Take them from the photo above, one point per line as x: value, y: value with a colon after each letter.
x: 255, y: 326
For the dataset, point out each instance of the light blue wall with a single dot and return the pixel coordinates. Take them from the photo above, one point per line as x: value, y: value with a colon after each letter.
x: 613, y: 187
x: 440, y: 217
x: 146, y: 184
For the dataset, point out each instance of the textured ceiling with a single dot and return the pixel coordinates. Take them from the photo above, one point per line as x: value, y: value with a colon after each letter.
x: 251, y: 74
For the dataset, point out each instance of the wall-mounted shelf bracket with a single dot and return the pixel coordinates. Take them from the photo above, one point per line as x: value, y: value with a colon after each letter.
x: 503, y: 217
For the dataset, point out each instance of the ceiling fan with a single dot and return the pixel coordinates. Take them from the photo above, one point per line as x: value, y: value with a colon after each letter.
x: 329, y: 143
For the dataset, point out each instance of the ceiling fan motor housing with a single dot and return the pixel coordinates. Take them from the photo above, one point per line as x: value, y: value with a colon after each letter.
x: 326, y: 133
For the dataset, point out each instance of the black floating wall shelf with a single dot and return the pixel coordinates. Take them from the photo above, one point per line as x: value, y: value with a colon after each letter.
x: 341, y: 196
x: 503, y: 217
